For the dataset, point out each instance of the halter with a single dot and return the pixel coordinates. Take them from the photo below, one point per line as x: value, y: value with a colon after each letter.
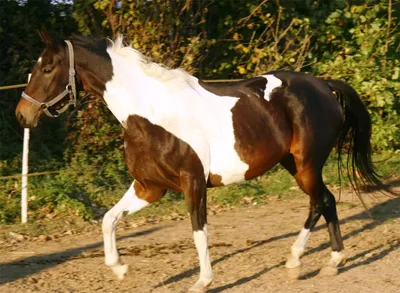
x: 70, y: 90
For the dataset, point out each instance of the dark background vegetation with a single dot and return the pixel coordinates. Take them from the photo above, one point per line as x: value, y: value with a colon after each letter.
x: 357, y: 41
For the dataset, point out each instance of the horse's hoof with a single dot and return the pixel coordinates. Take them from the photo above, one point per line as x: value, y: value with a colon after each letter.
x: 197, y: 289
x: 120, y: 270
x: 328, y: 271
x: 200, y: 286
x: 293, y: 273
x: 292, y: 263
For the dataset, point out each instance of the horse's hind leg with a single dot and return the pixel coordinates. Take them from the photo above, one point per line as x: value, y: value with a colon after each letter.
x: 194, y: 188
x: 298, y: 247
x: 330, y: 214
x: 136, y: 198
x: 322, y: 202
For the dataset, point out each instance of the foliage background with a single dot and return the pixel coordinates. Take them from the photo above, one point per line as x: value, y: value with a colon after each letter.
x: 357, y: 41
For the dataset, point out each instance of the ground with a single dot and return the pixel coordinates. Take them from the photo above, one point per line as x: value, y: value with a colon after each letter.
x: 249, y: 246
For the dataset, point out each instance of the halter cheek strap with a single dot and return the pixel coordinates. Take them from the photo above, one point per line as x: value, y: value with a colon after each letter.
x: 70, y: 90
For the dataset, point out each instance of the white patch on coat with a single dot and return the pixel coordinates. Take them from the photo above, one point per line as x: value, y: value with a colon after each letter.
x: 39, y: 60
x: 174, y: 100
x: 272, y: 83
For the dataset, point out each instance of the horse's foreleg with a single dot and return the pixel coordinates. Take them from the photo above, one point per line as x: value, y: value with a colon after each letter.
x: 134, y: 200
x: 195, y: 193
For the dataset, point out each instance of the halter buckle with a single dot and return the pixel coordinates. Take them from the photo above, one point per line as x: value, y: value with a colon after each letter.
x: 69, y: 88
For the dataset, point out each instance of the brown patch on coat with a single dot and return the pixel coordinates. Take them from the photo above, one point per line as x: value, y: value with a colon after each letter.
x: 214, y: 180
x: 158, y: 160
x: 262, y: 130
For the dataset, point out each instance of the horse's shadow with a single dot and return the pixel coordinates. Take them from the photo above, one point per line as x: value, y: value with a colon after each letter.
x: 381, y: 213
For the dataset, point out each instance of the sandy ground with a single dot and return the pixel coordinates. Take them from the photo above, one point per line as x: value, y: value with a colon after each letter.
x: 249, y: 247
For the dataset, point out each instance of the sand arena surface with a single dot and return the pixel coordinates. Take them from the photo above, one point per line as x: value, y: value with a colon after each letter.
x: 249, y: 247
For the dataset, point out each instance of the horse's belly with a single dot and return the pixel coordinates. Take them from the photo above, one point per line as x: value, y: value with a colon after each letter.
x: 226, y: 166
x: 226, y: 177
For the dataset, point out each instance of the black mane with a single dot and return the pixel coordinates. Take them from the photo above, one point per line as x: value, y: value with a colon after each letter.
x: 97, y: 46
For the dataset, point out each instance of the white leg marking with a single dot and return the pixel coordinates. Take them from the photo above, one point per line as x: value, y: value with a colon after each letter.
x: 272, y: 83
x: 298, y: 248
x: 129, y: 203
x: 206, y: 275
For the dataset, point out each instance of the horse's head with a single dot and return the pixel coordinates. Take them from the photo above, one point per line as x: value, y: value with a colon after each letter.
x: 51, y: 82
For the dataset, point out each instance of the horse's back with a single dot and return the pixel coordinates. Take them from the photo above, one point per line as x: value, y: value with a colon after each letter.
x: 278, y: 113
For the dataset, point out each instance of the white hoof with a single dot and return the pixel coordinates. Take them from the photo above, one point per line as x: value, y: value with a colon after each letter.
x: 292, y: 263
x: 120, y: 270
x: 328, y: 271
x: 293, y: 273
x: 200, y: 286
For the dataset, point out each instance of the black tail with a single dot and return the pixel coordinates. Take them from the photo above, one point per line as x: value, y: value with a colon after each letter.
x: 356, y: 131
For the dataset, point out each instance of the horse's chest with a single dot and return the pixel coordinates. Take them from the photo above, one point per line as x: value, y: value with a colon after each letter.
x: 152, y: 153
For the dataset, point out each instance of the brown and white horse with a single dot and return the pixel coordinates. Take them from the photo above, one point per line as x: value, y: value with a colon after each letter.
x: 184, y: 134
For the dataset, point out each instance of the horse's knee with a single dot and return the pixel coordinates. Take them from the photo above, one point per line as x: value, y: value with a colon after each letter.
x: 108, y: 223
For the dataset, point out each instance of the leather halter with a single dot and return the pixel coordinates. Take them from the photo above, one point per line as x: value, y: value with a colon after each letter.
x: 70, y: 90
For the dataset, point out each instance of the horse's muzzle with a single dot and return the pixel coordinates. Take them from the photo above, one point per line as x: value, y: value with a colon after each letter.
x: 26, y: 115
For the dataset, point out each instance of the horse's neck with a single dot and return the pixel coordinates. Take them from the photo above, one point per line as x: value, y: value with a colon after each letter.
x: 128, y: 89
x: 93, y: 71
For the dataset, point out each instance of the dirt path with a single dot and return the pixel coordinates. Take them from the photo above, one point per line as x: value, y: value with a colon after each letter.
x: 248, y: 248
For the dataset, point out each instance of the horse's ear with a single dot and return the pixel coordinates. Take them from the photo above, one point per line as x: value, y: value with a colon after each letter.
x: 48, y: 39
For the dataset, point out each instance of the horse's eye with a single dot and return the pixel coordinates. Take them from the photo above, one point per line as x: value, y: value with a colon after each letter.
x: 48, y: 69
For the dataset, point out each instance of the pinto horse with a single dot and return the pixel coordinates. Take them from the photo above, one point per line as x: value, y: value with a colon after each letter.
x: 185, y: 134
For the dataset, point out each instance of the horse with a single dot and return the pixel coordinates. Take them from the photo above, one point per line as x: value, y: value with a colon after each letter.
x: 184, y: 134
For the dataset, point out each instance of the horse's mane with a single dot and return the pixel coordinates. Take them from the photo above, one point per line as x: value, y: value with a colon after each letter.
x: 150, y: 68
x: 97, y: 46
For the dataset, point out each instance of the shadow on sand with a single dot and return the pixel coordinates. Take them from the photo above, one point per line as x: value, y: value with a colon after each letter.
x: 21, y: 268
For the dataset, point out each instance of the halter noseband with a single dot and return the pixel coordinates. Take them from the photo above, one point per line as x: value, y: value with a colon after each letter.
x: 70, y: 90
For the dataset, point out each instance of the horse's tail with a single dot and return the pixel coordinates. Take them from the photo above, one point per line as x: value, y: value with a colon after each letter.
x: 356, y: 131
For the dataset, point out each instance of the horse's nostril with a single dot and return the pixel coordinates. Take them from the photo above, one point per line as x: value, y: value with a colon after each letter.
x: 21, y: 119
